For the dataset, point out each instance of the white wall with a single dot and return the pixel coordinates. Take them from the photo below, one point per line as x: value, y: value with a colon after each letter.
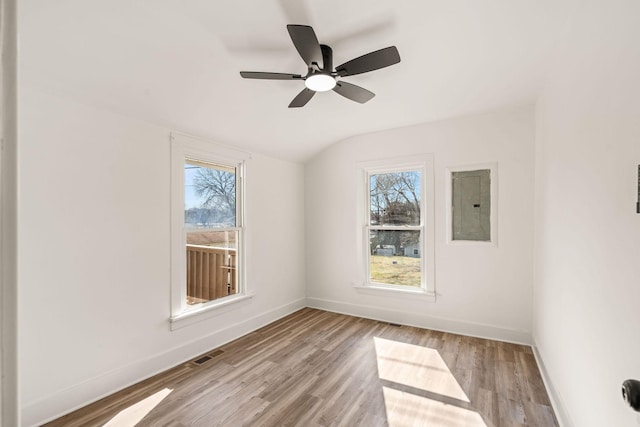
x: 94, y: 254
x: 587, y: 254
x: 482, y: 290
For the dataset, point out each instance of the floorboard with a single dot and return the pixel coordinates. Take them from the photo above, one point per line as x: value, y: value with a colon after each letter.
x: 317, y: 368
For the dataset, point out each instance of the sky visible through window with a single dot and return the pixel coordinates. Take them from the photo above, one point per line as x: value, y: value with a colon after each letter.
x: 191, y: 200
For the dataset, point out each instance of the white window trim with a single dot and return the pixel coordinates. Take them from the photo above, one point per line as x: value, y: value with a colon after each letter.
x: 424, y: 163
x: 493, y: 218
x: 185, y: 147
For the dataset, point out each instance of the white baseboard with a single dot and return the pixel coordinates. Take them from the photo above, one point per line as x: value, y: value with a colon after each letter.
x: 79, y: 395
x: 556, y: 399
x: 478, y: 330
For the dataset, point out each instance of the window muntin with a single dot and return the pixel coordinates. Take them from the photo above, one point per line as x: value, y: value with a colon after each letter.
x: 395, y: 227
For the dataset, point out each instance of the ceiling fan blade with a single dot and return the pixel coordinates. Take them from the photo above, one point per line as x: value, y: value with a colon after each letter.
x: 306, y: 42
x: 369, y: 62
x: 302, y: 98
x: 353, y: 92
x: 269, y: 76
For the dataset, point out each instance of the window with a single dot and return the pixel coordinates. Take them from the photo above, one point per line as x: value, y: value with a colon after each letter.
x: 210, y: 218
x: 207, y: 226
x: 398, y: 228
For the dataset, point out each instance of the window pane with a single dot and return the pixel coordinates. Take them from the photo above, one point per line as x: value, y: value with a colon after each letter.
x: 394, y: 257
x: 211, y: 265
x: 209, y: 196
x: 394, y: 198
x: 210, y: 209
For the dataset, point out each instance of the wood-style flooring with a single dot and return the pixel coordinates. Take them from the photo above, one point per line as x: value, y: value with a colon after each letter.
x: 316, y: 368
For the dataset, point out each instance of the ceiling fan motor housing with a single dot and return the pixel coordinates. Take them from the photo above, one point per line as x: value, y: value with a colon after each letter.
x: 320, y: 77
x: 326, y: 67
x: 320, y: 73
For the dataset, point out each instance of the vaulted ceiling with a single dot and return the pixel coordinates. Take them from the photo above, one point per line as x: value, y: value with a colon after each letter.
x: 177, y: 62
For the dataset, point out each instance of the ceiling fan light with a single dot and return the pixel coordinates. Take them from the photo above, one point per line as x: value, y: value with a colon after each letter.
x: 320, y: 82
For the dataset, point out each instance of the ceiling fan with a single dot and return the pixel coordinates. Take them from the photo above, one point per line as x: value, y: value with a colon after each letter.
x: 321, y: 76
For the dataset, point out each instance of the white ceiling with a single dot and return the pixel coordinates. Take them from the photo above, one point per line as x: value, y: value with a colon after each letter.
x: 177, y: 62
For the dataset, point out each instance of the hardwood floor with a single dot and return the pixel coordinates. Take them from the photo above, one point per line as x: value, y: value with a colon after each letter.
x: 320, y: 368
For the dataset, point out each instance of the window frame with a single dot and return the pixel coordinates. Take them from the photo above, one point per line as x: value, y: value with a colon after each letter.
x: 424, y: 164
x: 185, y: 148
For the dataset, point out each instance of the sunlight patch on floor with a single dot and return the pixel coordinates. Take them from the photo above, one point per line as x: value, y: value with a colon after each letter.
x: 136, y: 412
x: 416, y: 366
x: 406, y: 409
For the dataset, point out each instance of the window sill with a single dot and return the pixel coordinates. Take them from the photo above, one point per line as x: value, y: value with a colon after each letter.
x: 215, y: 308
x: 375, y: 289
